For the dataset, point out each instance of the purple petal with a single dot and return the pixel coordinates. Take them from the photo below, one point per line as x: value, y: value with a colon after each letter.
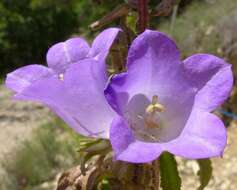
x: 79, y: 99
x: 21, y: 78
x: 204, y: 136
x: 62, y: 54
x: 153, y: 69
x: 126, y: 148
x: 102, y: 43
x: 213, y: 78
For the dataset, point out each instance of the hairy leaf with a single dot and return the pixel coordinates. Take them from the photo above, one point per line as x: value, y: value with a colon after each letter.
x: 205, y: 172
x: 170, y: 179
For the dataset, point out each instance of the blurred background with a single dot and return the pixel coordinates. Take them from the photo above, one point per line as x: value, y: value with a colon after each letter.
x: 35, y: 146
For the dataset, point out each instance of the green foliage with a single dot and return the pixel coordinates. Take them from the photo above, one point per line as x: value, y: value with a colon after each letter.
x: 205, y: 172
x: 50, y: 149
x: 195, y: 28
x: 105, y: 185
x: 29, y: 27
x: 132, y: 21
x: 170, y: 179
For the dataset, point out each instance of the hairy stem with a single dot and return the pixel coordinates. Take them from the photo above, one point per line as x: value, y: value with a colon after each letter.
x: 143, y: 15
x: 156, y: 174
x: 146, y: 176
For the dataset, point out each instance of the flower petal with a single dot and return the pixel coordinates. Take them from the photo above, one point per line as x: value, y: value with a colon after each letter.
x: 213, y: 78
x: 62, y: 54
x: 153, y: 66
x: 21, y: 78
x: 102, y: 43
x: 127, y: 148
x: 79, y: 99
x: 204, y: 136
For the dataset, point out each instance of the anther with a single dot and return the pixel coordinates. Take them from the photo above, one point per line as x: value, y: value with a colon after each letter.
x: 155, y: 106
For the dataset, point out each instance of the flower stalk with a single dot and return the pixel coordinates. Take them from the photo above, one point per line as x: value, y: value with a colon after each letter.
x: 156, y: 174
x: 143, y: 19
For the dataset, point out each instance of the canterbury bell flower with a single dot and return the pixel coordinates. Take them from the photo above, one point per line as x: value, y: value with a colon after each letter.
x: 159, y: 104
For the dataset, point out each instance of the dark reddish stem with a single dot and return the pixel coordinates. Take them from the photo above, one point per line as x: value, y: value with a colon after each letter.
x: 143, y: 15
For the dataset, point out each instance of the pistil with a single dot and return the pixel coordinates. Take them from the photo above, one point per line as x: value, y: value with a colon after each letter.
x: 151, y: 113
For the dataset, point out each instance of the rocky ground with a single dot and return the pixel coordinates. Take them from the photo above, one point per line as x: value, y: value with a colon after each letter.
x: 224, y: 169
x: 17, y: 120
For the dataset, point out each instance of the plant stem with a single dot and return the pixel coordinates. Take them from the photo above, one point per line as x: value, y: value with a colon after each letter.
x: 146, y: 176
x: 173, y: 17
x: 156, y: 170
x: 143, y: 15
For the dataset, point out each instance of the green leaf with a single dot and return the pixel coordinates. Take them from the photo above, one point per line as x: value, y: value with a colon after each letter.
x: 170, y: 179
x: 132, y: 21
x: 205, y: 172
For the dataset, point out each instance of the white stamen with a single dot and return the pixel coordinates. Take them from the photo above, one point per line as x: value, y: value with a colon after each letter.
x: 144, y: 134
x: 61, y: 76
x: 140, y: 117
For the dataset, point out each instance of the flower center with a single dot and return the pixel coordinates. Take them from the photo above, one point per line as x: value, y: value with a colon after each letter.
x: 151, y: 112
x: 146, y: 119
x: 157, y: 118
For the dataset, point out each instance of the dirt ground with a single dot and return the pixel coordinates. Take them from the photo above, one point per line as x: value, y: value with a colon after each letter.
x: 17, y: 119
x: 224, y: 169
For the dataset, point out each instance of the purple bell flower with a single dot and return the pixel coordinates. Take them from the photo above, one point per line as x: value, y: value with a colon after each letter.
x: 73, y: 83
x: 159, y: 104
x: 164, y: 103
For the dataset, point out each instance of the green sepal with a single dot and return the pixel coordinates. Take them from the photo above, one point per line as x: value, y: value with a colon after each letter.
x: 204, y: 173
x: 170, y: 179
